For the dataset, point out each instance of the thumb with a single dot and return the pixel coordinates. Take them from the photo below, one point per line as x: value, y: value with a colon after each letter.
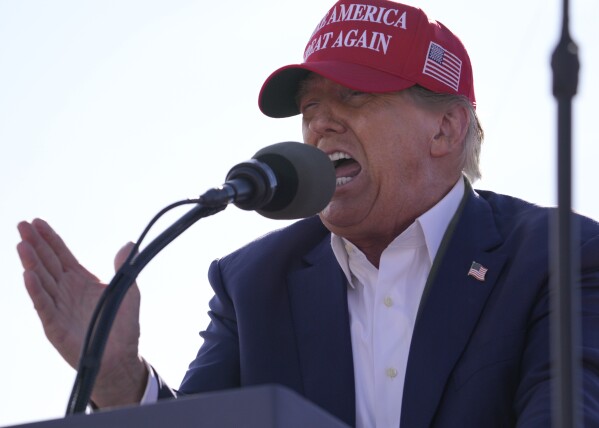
x: 122, y: 255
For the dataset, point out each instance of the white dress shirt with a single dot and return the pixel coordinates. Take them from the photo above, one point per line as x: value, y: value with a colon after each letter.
x: 383, y: 304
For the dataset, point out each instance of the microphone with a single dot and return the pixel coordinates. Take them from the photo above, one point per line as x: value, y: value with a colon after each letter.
x: 283, y: 181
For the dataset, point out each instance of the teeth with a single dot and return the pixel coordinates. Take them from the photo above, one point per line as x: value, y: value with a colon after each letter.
x: 338, y: 156
x: 343, y: 180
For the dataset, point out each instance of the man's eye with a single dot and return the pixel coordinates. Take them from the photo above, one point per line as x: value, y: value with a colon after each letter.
x: 354, y: 95
x: 307, y: 105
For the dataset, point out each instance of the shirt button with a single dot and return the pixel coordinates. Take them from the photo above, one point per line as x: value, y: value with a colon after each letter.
x: 391, y: 372
x: 388, y: 301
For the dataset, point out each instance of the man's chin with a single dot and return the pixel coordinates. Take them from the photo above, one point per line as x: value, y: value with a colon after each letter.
x: 336, y: 220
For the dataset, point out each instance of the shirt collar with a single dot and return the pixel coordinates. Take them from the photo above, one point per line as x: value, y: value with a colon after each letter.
x: 433, y: 223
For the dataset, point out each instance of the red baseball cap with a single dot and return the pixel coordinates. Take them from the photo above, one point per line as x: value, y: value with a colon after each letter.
x: 374, y: 46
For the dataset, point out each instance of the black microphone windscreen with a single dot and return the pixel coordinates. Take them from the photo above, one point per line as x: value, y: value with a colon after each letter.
x: 305, y: 180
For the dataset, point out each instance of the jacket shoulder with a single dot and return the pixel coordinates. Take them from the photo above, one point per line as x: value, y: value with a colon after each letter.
x: 512, y: 213
x: 292, y: 241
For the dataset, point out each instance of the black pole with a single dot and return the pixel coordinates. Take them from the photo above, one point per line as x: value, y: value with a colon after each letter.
x: 565, y: 291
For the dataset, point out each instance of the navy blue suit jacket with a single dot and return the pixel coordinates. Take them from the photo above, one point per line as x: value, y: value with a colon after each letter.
x: 480, y: 352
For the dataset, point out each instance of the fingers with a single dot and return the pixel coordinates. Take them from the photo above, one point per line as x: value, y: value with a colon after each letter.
x: 42, y: 301
x: 48, y: 263
x: 34, y: 268
x: 43, y: 270
x: 41, y: 256
x: 42, y: 289
x: 122, y: 255
x: 51, y: 251
x: 55, y: 242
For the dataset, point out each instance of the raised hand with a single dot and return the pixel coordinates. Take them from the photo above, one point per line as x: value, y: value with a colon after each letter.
x: 65, y: 295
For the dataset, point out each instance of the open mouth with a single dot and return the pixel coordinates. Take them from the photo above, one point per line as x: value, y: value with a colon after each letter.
x: 346, y: 168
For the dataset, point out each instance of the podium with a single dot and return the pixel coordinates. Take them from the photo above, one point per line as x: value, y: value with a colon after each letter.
x: 267, y: 406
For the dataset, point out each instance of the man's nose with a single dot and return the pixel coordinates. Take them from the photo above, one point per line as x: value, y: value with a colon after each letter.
x: 326, y: 121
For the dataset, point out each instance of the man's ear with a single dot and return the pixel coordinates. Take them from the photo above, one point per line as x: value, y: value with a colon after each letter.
x: 452, y: 131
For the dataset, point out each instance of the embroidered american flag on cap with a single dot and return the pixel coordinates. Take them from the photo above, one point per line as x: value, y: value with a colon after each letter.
x: 477, y: 271
x: 443, y: 66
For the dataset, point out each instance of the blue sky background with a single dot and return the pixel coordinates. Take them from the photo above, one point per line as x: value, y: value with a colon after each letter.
x: 111, y: 110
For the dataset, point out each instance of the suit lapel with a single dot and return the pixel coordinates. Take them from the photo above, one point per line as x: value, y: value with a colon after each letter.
x: 450, y: 310
x: 318, y: 298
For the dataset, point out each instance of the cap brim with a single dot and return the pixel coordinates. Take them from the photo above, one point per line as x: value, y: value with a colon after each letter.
x: 277, y: 96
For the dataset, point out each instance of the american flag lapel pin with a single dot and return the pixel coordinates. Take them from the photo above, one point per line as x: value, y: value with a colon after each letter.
x: 477, y: 271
